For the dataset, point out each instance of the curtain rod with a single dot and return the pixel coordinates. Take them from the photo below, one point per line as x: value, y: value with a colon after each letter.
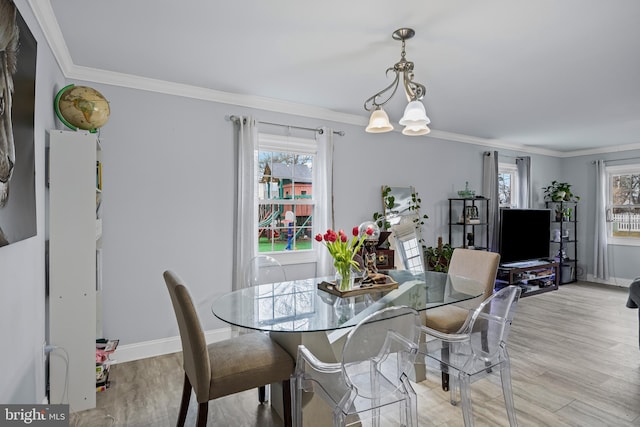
x: 618, y: 160
x: 336, y: 132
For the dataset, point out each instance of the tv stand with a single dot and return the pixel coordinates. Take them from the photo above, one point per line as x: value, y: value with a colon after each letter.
x: 533, y: 276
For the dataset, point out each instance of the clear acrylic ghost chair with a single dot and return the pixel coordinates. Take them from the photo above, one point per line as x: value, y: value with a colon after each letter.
x: 260, y: 270
x: 377, y: 356
x: 476, y: 350
x: 263, y: 269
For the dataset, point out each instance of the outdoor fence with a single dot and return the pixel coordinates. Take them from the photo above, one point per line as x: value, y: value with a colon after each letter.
x: 627, y: 222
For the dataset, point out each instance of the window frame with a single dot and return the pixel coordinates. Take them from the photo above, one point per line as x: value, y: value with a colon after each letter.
x: 268, y: 142
x: 632, y: 168
x: 512, y: 170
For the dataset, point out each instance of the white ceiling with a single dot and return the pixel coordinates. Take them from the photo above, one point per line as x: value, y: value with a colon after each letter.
x: 559, y: 75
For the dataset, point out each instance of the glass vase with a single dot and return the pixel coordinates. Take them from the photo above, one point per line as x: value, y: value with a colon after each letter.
x: 344, y: 279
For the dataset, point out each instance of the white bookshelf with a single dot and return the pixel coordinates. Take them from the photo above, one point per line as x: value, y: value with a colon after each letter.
x: 73, y: 252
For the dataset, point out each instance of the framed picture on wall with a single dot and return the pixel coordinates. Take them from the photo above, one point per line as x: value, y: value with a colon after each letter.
x: 18, y: 51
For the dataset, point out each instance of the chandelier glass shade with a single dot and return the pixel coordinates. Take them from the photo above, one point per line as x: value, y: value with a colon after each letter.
x: 415, y: 118
x: 379, y: 122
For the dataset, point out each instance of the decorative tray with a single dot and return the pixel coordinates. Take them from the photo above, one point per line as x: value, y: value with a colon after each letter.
x: 358, y: 288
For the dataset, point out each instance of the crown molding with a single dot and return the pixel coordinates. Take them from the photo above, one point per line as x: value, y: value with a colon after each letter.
x: 43, y: 13
x: 596, y: 151
x: 51, y: 29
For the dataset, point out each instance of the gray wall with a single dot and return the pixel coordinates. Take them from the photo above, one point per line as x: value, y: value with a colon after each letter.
x: 22, y: 264
x: 168, y: 204
x: 580, y: 171
x: 168, y: 173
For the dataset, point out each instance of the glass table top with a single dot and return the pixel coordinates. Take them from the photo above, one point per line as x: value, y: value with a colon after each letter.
x: 300, y: 306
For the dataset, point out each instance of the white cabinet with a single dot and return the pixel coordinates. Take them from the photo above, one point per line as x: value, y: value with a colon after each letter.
x: 72, y: 267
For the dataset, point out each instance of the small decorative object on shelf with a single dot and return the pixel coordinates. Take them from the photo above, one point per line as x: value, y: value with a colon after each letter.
x: 81, y: 107
x: 343, y: 252
x: 471, y: 215
x: 466, y: 193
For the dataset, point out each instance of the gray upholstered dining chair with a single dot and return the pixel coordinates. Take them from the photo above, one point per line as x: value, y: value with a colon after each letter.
x: 225, y: 367
x: 481, y: 266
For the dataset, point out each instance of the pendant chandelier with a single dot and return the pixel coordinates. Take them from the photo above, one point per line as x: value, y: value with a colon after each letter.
x: 415, y: 118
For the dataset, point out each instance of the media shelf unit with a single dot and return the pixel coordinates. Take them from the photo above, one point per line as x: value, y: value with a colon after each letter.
x: 533, y: 277
x: 461, y: 227
x: 564, y: 244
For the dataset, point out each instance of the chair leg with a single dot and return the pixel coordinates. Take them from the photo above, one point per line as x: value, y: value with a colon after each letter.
x: 445, y: 381
x: 465, y: 396
x: 444, y: 355
x: 184, y: 402
x: 286, y: 403
x: 203, y: 411
x: 505, y: 377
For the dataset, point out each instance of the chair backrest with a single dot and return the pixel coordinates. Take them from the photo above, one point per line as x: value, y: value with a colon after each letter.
x: 490, y: 323
x: 385, y: 341
x: 481, y: 266
x: 194, y: 346
x: 263, y: 269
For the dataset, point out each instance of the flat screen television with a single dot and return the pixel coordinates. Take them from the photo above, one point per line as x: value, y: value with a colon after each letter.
x: 524, y: 234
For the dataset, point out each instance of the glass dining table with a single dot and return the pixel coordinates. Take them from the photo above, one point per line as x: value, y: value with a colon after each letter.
x: 300, y: 312
x: 299, y: 306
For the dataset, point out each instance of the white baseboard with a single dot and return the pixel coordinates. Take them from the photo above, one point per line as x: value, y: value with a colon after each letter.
x: 613, y: 281
x: 142, y: 350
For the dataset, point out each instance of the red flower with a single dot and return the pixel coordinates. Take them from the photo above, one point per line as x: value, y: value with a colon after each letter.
x: 319, y: 237
x: 355, y: 231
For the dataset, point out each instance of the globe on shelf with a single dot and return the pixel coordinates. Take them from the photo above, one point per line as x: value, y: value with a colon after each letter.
x: 81, y: 107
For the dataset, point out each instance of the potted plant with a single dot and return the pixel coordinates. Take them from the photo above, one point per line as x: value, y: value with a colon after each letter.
x: 563, y: 213
x: 438, y: 258
x: 559, y: 192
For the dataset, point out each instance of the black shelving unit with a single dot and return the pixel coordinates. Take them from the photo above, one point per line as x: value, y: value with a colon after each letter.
x: 564, y: 241
x: 460, y: 226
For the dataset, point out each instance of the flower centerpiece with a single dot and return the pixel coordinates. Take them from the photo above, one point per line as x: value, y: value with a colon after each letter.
x: 343, y: 252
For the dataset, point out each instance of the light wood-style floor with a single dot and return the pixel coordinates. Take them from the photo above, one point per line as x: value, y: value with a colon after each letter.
x: 575, y: 362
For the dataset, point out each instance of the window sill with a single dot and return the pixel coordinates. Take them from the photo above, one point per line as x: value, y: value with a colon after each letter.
x: 294, y: 257
x: 623, y: 241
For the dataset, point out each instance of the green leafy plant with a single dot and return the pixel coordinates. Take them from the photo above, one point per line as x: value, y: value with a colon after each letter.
x: 559, y: 192
x: 439, y: 257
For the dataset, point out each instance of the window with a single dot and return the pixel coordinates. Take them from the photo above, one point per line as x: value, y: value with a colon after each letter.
x: 624, y: 203
x: 507, y: 185
x: 285, y: 193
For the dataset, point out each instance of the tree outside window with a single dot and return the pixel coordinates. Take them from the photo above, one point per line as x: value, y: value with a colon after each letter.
x: 624, y: 201
x: 507, y: 185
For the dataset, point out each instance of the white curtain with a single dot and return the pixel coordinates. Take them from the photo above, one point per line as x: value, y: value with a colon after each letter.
x: 523, y: 167
x: 323, y: 177
x: 247, y: 206
x: 490, y: 191
x: 600, y: 248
